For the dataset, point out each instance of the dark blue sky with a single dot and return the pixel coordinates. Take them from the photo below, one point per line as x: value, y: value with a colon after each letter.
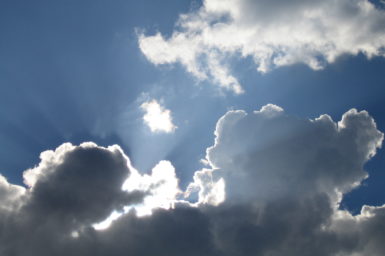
x: 73, y: 71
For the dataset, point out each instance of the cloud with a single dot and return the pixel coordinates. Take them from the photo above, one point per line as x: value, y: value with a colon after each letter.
x: 284, y: 179
x: 71, y: 188
x: 10, y: 195
x: 272, y: 33
x: 160, y: 190
x: 162, y: 184
x: 210, y: 191
x: 274, y: 155
x: 272, y: 186
x: 157, y: 118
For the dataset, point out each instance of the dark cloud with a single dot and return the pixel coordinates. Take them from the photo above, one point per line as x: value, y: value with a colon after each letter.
x: 283, y: 179
x: 84, y: 186
x: 72, y: 188
x: 182, y: 231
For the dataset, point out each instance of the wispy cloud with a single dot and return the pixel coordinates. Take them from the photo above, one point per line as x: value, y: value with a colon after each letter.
x: 273, y: 33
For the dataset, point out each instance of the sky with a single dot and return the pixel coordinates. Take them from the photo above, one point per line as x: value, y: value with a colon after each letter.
x: 186, y: 127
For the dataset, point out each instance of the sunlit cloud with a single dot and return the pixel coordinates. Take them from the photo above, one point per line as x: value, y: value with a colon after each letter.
x: 107, y: 222
x: 210, y: 191
x: 172, y: 169
x: 271, y: 33
x: 161, y: 189
x: 161, y: 185
x: 157, y: 117
x: 267, y: 173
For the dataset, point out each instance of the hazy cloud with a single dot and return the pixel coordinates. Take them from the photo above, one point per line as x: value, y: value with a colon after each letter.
x: 272, y: 33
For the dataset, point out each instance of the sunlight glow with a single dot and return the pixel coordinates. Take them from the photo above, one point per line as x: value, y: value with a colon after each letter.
x: 161, y: 186
x: 157, y: 118
x: 107, y: 222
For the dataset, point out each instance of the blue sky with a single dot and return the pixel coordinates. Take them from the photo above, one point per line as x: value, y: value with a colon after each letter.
x: 76, y: 71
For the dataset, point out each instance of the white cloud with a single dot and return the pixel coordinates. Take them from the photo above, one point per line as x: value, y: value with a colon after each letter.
x: 160, y: 190
x: 161, y: 186
x: 157, y: 117
x: 48, y: 159
x: 10, y: 195
x: 210, y: 191
x: 273, y: 33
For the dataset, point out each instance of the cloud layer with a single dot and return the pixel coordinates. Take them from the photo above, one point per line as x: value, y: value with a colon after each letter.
x: 272, y: 33
x: 272, y: 187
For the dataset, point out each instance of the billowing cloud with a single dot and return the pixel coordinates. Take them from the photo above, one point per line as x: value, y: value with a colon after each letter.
x: 285, y: 156
x: 162, y: 184
x: 160, y: 190
x: 272, y: 186
x: 284, y: 179
x: 10, y: 195
x: 272, y: 33
x: 73, y: 189
x: 157, y: 117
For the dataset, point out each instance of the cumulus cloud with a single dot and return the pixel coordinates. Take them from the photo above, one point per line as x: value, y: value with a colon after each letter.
x: 285, y: 156
x: 272, y: 33
x: 162, y: 184
x: 210, y: 191
x: 157, y: 117
x: 71, y: 190
x: 272, y: 186
x: 284, y: 179
x: 161, y: 191
x: 10, y: 195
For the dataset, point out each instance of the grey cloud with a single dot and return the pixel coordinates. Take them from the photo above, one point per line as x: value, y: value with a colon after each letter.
x: 372, y: 232
x: 273, y: 155
x: 10, y: 195
x: 72, y: 188
x: 280, y: 227
x: 84, y: 187
x: 283, y: 180
x: 181, y: 231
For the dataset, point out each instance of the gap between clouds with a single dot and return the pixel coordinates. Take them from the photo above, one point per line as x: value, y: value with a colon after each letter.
x: 273, y: 187
x: 272, y: 33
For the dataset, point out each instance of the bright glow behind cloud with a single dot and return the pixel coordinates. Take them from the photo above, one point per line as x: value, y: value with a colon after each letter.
x: 161, y: 185
x: 157, y: 117
x: 273, y: 33
x: 278, y: 179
